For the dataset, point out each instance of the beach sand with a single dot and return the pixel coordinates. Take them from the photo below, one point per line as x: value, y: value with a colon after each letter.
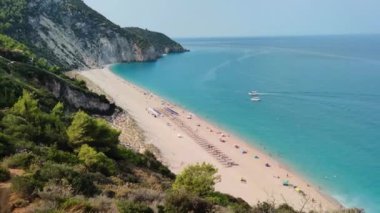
x: 183, y: 141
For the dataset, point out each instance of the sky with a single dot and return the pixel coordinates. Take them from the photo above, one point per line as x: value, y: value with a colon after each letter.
x: 241, y: 18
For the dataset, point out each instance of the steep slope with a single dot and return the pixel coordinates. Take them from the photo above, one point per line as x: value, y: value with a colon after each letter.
x: 160, y: 41
x: 18, y: 73
x: 70, y: 34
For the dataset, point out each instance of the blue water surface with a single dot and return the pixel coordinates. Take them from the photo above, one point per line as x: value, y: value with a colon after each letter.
x: 320, y: 108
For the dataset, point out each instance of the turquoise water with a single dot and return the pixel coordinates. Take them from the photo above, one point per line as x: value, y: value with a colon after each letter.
x: 320, y: 108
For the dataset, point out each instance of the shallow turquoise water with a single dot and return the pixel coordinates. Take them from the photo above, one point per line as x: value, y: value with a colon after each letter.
x: 320, y: 108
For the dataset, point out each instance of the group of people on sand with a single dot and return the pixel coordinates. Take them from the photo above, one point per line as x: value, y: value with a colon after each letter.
x: 213, y: 150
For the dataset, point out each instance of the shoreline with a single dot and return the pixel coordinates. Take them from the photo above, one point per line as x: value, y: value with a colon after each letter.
x: 183, y: 141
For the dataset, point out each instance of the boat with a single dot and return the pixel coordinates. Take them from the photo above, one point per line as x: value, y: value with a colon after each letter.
x: 255, y: 99
x: 253, y: 93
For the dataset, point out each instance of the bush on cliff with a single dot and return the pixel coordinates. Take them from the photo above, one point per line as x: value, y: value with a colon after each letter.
x: 94, y: 132
x: 5, y: 175
x: 198, y: 179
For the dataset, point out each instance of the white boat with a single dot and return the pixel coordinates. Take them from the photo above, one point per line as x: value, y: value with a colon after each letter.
x: 253, y: 93
x: 255, y: 99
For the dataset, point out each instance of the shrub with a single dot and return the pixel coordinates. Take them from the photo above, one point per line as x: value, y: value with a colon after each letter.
x: 285, y: 208
x: 131, y: 207
x: 5, y: 175
x: 198, y: 179
x: 83, y: 184
x: 96, y: 161
x: 95, y: 132
x: 264, y: 207
x: 76, y: 204
x: 129, y: 155
x: 183, y: 201
x: 238, y: 208
x: 6, y: 147
x: 52, y: 171
x: 226, y: 200
x: 20, y: 160
x: 144, y: 195
x: 25, y: 185
x: 56, y: 192
x: 103, y: 204
x: 59, y: 156
x: 152, y: 163
x: 26, y: 121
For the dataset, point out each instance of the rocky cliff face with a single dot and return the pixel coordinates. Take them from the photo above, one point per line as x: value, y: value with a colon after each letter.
x: 76, y: 97
x: 70, y: 34
x: 50, y: 87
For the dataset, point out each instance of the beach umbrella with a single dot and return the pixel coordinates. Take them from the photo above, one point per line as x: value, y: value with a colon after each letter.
x: 285, y: 183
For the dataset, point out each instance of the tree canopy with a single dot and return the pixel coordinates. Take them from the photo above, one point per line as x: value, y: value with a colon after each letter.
x: 199, y: 179
x: 96, y: 161
x: 95, y: 132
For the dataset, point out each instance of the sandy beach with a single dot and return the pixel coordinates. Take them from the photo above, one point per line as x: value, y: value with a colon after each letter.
x: 185, y: 139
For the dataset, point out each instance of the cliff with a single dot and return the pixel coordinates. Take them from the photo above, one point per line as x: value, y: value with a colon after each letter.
x: 16, y: 77
x: 71, y: 35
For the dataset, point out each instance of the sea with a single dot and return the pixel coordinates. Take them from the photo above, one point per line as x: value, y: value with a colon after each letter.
x: 320, y: 102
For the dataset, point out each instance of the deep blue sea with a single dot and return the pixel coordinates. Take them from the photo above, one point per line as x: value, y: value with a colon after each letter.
x: 320, y: 108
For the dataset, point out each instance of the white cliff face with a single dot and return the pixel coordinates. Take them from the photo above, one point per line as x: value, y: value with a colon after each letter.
x: 76, y: 36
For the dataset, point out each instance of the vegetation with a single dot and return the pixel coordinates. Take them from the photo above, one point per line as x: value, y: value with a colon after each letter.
x: 69, y: 160
x: 96, y: 161
x: 77, y: 154
x: 198, y: 179
x: 131, y: 207
x: 17, y: 51
x: 95, y: 132
x: 160, y: 41
x: 4, y: 174
x: 11, y: 13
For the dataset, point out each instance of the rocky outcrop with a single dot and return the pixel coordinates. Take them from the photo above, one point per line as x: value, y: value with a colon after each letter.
x: 51, y: 87
x: 78, y: 98
x: 70, y: 34
x: 161, y: 43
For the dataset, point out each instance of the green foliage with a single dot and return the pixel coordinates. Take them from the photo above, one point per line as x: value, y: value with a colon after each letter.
x: 53, y: 172
x: 146, y: 160
x: 96, y: 161
x: 9, y: 93
x: 6, y: 146
x: 7, y: 42
x: 198, y: 179
x: 16, y: 51
x: 160, y: 41
x: 178, y: 201
x: 132, y: 207
x: 285, y: 208
x: 264, y: 207
x: 75, y: 203
x: 95, y: 132
x: 83, y: 184
x: 5, y: 175
x: 26, y: 107
x: 26, y: 121
x: 20, y: 160
x: 11, y: 13
x: 58, y: 111
x: 236, y: 205
x: 152, y: 163
x: 25, y: 185
x: 58, y: 156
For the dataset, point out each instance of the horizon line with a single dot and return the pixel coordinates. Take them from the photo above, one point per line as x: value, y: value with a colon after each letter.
x: 273, y: 36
